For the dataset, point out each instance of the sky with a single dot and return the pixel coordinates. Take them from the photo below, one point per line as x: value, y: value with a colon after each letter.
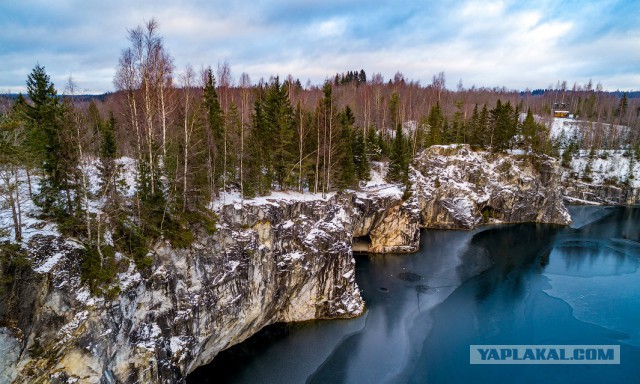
x: 512, y: 44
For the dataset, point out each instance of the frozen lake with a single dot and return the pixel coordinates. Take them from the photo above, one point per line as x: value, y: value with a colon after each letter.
x: 510, y: 284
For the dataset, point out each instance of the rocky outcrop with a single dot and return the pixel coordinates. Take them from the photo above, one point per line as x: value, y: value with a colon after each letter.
x: 272, y: 260
x: 578, y: 192
x: 460, y: 188
x: 277, y: 261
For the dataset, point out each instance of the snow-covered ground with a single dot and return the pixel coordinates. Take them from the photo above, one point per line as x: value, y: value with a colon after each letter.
x: 606, y: 166
x: 233, y: 197
x: 565, y: 130
x: 31, y: 225
x: 378, y: 172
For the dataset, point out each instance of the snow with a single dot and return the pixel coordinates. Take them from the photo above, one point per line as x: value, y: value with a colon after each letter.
x: 30, y: 224
x: 606, y: 165
x: 387, y: 190
x: 177, y: 344
x: 49, y: 263
x: 66, y: 332
x: 287, y: 224
x: 564, y: 129
x: 293, y: 256
x: 233, y: 265
x: 83, y: 295
x: 149, y: 333
x: 128, y: 172
x: 130, y: 277
x: 378, y: 172
x: 234, y: 198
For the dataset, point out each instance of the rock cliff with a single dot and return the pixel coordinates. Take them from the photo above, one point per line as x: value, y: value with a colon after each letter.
x: 601, y: 177
x: 459, y: 188
x: 578, y: 192
x: 269, y: 261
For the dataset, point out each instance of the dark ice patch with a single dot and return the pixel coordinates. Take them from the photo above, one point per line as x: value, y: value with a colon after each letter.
x: 409, y: 276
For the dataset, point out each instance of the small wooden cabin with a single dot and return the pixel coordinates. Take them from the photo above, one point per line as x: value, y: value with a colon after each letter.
x: 561, y: 110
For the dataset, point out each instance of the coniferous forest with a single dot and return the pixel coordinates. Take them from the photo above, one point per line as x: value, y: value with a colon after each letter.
x: 188, y: 135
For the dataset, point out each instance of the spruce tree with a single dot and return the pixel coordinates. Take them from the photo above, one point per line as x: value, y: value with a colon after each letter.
x: 215, y: 120
x: 436, y: 125
x: 528, y: 130
x: 345, y: 168
x: 398, y: 160
x: 44, y: 120
x: 474, y: 127
x: 360, y: 160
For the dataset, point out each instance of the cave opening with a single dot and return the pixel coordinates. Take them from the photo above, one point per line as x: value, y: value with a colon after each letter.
x: 360, y: 244
x: 225, y: 366
x: 489, y: 213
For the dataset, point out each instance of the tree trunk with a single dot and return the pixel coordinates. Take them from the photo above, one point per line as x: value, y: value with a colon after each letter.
x: 29, y: 183
x: 315, y: 189
x: 18, y: 207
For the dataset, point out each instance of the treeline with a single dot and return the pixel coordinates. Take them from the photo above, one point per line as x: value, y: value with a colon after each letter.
x: 191, y: 136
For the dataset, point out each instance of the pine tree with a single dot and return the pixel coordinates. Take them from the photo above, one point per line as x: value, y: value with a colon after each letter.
x: 360, y: 160
x: 436, y: 126
x: 108, y: 150
x: 504, y: 125
x: 44, y: 117
x: 373, y: 143
x: 281, y: 125
x: 398, y: 160
x: 362, y: 77
x: 474, y: 127
x: 215, y: 120
x: 345, y: 168
x: 528, y: 130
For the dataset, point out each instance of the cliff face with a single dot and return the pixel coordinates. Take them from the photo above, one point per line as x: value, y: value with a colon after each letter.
x: 284, y: 260
x: 579, y: 192
x: 613, y: 176
x: 459, y: 188
x: 276, y: 260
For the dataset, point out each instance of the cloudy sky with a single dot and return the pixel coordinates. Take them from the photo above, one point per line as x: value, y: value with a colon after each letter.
x: 517, y: 44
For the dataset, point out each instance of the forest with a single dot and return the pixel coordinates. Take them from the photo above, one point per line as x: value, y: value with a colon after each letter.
x: 187, y: 136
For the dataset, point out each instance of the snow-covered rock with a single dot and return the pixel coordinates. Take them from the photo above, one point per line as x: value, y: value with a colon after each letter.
x: 282, y: 258
x: 460, y: 188
x: 605, y: 177
x: 276, y: 260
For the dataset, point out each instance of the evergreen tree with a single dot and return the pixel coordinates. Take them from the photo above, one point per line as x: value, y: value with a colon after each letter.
x: 436, y: 126
x: 362, y: 77
x: 474, y: 127
x: 44, y: 118
x: 374, y: 151
x: 623, y: 105
x: 234, y: 125
x: 260, y: 145
x: 345, y: 168
x: 215, y: 120
x: 528, y: 130
x: 108, y: 150
x: 504, y: 125
x: 360, y: 161
x: 280, y: 124
x: 457, y: 131
x: 398, y: 160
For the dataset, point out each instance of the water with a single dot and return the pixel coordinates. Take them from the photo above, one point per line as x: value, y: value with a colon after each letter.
x: 512, y: 284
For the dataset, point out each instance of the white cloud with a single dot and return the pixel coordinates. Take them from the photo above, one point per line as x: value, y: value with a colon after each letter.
x: 501, y: 43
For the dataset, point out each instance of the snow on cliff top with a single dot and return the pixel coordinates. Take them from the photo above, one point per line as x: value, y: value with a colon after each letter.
x: 611, y: 165
x: 233, y: 197
x: 568, y: 128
